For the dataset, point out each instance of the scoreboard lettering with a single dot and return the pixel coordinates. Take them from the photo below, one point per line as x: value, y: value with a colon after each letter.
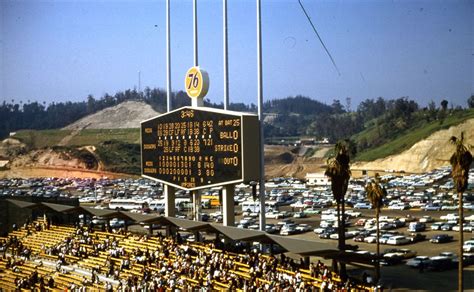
x: 194, y: 148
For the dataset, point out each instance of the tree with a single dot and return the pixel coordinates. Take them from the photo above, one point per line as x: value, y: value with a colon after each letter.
x: 338, y: 170
x: 460, y: 162
x: 444, y: 104
x: 375, y: 194
x: 470, y: 101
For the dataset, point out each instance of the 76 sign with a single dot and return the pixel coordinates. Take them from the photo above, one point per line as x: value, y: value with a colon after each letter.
x: 196, y: 82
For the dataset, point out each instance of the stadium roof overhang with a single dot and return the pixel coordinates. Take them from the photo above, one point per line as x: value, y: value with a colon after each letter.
x: 300, y: 247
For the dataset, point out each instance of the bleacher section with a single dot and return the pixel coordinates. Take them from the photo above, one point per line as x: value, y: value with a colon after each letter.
x: 105, y: 254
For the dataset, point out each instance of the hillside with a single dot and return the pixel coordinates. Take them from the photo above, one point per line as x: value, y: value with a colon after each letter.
x: 427, y: 154
x: 109, y: 141
x: 125, y: 115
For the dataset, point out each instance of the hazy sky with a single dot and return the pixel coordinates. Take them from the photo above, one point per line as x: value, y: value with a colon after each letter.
x: 65, y: 50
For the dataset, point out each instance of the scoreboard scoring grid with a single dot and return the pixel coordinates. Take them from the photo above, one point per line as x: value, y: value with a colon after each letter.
x: 193, y: 148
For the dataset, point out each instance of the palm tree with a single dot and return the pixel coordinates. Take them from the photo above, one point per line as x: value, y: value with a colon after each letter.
x: 460, y: 162
x: 375, y: 194
x: 338, y: 170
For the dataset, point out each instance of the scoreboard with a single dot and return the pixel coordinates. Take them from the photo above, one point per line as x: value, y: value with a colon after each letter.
x: 193, y: 148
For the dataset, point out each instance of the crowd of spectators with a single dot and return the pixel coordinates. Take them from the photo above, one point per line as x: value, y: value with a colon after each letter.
x: 175, y: 263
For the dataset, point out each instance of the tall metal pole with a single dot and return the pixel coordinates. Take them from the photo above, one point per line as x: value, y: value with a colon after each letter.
x: 168, y: 58
x: 226, y: 68
x: 139, y: 81
x: 260, y: 116
x: 195, y: 30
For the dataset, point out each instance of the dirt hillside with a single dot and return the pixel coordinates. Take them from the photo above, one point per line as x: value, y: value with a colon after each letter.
x: 425, y: 155
x: 284, y: 161
x: 128, y: 114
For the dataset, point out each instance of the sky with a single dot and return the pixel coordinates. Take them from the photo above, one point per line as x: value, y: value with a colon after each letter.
x: 65, y: 50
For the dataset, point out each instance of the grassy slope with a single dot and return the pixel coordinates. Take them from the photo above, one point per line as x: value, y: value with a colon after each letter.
x: 41, y: 139
x: 50, y: 138
x: 97, y: 136
x: 409, y: 137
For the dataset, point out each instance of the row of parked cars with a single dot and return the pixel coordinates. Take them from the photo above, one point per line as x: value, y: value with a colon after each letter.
x: 443, y: 261
x: 283, y: 227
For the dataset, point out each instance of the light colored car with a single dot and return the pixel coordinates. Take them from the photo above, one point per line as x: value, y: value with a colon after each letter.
x: 383, y: 239
x: 288, y: 229
x: 436, y: 225
x: 426, y: 219
x: 416, y: 261
x: 371, y: 239
x: 353, y: 214
x: 303, y: 227
x: 273, y: 215
x: 398, y: 240
x: 466, y: 227
x: 319, y: 230
x: 362, y: 206
x: 299, y: 215
x: 468, y: 246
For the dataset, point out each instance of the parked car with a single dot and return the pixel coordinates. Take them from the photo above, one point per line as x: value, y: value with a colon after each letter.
x: 416, y: 237
x: 391, y: 260
x: 312, y: 210
x: 303, y: 228
x: 398, y: 240
x: 370, y: 239
x: 436, y: 225
x: 468, y: 259
x: 441, y: 238
x: 447, y: 226
x: 299, y: 215
x: 326, y: 235
x: 273, y: 215
x: 426, y: 219
x: 363, y: 206
x: 440, y: 263
x: 416, y: 227
x: 384, y: 237
x: 466, y: 227
x: 402, y: 252
x: 270, y: 228
x: 360, y: 222
x: 468, y: 246
x: 359, y: 238
x: 416, y: 261
x: 431, y: 207
x: 288, y: 229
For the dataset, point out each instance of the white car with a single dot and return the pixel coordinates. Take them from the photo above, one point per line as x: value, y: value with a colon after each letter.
x: 353, y: 214
x: 466, y: 227
x: 288, y: 229
x: 348, y: 235
x: 426, y: 219
x: 371, y: 239
x: 398, y: 240
x: 436, y: 225
x: 273, y: 215
x: 303, y: 228
x: 468, y: 246
x: 416, y: 261
x: 383, y: 238
x: 451, y: 216
x: 363, y: 206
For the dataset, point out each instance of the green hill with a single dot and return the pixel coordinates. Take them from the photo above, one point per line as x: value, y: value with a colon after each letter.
x: 403, y: 140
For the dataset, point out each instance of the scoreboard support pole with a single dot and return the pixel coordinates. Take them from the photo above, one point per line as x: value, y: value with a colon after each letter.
x: 228, y: 216
x: 170, y: 206
x: 197, y: 205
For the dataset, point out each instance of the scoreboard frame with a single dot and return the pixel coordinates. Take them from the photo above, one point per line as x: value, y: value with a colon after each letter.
x: 248, y: 152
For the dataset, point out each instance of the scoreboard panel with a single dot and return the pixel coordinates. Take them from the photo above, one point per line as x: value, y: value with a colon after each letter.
x: 194, y: 148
